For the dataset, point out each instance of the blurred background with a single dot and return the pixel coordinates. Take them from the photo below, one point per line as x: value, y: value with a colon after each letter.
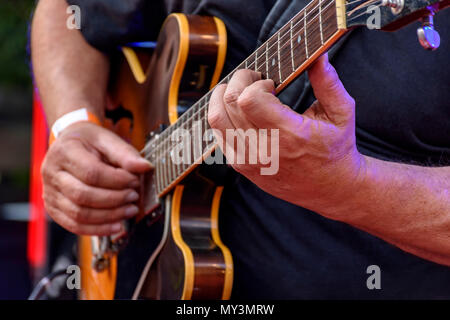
x: 16, y: 110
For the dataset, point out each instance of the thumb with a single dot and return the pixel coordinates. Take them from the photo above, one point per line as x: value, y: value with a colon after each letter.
x: 338, y: 105
x: 118, y: 152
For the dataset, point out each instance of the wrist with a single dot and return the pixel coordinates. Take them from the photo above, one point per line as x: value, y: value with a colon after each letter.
x: 345, y: 188
x: 69, y: 119
x: 354, y: 195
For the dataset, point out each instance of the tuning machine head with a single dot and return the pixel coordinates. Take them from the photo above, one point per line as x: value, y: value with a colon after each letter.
x: 428, y: 37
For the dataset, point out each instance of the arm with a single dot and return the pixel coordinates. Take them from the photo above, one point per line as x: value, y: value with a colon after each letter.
x: 408, y: 206
x: 70, y: 74
x: 89, y: 173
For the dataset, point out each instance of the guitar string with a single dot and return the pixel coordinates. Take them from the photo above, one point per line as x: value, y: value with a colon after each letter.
x: 364, y: 12
x: 202, y: 109
x: 361, y: 6
x: 185, y: 121
x: 271, y: 47
x: 161, y: 143
x: 199, y: 111
x: 301, y: 30
x: 291, y: 28
x: 168, y: 171
x: 288, y: 31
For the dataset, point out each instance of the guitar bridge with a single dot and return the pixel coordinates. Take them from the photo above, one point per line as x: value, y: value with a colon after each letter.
x: 104, y: 248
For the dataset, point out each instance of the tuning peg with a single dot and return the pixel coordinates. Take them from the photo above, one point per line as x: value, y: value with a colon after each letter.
x: 428, y: 37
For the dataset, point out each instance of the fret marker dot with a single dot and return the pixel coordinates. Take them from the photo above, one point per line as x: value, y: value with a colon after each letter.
x: 299, y: 39
x: 274, y: 62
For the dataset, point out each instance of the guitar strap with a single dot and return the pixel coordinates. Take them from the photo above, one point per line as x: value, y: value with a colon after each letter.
x: 297, y: 93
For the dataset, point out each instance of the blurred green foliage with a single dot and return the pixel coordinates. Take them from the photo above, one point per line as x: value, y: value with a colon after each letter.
x: 15, y: 16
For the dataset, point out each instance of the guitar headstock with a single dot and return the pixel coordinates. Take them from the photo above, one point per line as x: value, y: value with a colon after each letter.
x: 390, y: 15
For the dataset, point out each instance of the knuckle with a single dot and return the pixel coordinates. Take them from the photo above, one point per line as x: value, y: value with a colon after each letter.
x: 46, y: 171
x: 214, y: 118
x: 76, y: 212
x: 91, y: 175
x: 247, y: 74
x: 231, y: 97
x: 79, y: 195
x: 247, y: 99
x: 242, y: 72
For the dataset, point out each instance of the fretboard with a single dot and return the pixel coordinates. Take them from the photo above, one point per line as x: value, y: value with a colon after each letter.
x: 281, y: 58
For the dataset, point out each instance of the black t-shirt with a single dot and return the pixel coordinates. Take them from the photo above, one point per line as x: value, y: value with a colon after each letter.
x: 282, y: 251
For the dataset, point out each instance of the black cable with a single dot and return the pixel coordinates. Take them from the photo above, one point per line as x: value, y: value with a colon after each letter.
x: 43, y: 283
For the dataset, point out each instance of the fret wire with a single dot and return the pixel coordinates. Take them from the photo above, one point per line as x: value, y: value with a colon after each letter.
x: 279, y: 57
x: 306, y: 37
x: 169, y: 160
x: 305, y: 15
x: 292, y: 46
x: 198, y: 112
x: 291, y: 31
x: 195, y: 137
x: 158, y: 168
x: 298, y: 22
x: 267, y: 60
x: 164, y: 153
x: 205, y: 122
x: 320, y: 21
x: 315, y: 29
x: 171, y: 164
x: 300, y: 31
x: 161, y: 169
x: 203, y: 107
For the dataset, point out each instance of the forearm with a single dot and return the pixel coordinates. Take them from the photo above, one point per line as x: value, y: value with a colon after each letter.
x: 69, y: 73
x: 408, y: 206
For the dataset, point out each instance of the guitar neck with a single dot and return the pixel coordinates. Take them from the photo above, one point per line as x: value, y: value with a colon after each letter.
x: 282, y: 58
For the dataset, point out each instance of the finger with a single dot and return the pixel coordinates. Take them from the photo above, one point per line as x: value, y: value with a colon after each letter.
x: 90, y: 169
x: 240, y: 80
x: 330, y: 92
x: 264, y: 109
x: 217, y: 116
x: 66, y: 221
x: 73, y: 226
x: 95, y: 216
x: 92, y: 197
x: 118, y: 152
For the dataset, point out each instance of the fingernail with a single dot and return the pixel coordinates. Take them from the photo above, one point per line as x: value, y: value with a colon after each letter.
x: 131, y: 211
x: 132, y: 196
x: 116, y: 227
x: 134, y: 184
x: 144, y: 161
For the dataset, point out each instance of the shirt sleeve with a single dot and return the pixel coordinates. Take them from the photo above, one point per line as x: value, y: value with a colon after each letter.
x: 107, y: 24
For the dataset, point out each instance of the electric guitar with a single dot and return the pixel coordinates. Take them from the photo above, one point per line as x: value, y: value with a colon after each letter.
x: 169, y: 91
